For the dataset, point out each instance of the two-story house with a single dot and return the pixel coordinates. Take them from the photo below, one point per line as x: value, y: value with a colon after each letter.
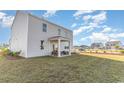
x: 35, y: 36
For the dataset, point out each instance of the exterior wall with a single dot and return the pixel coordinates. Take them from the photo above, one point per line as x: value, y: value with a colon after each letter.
x: 113, y: 44
x: 97, y: 46
x: 18, y: 41
x: 35, y: 35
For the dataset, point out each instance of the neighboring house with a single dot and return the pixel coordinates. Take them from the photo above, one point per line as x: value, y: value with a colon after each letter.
x: 35, y: 36
x: 113, y: 45
x: 97, y: 46
x: 76, y: 49
x: 83, y: 47
x: 80, y: 48
x: 122, y: 46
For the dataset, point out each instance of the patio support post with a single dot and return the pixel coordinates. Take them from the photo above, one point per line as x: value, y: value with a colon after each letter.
x: 69, y: 47
x: 59, y: 55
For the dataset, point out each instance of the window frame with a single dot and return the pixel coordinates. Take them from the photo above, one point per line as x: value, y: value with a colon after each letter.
x: 44, y: 27
x: 59, y: 31
x: 41, y: 44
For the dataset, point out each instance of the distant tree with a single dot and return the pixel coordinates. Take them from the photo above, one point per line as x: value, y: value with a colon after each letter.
x: 117, y: 46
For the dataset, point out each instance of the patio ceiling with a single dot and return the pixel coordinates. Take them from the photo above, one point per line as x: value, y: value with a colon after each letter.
x: 57, y: 38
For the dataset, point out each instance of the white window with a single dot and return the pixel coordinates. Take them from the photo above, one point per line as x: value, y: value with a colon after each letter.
x: 44, y: 27
x: 59, y: 31
x: 66, y: 34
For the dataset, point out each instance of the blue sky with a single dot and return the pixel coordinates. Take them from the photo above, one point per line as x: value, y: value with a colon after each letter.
x: 88, y: 26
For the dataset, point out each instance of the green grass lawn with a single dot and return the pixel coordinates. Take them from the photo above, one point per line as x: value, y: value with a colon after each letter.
x: 76, y: 68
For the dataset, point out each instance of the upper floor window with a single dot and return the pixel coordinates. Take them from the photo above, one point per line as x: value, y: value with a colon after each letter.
x: 44, y: 27
x: 66, y: 34
x: 59, y: 31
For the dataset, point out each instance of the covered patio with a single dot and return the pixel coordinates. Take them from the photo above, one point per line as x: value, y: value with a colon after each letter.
x: 61, y: 48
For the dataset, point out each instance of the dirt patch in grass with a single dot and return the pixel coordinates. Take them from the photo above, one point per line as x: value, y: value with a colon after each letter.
x: 13, y: 57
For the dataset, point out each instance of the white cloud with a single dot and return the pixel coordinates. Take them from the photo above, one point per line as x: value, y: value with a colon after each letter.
x: 107, y: 29
x: 104, y: 26
x: 77, y: 31
x: 86, y: 28
x: 99, y: 18
x: 116, y: 35
x: 49, y: 13
x: 96, y: 37
x: 95, y: 22
x: 6, y: 20
x: 81, y: 29
x: 86, y: 18
x: 2, y: 15
x: 75, y: 42
x: 91, y: 22
x: 73, y: 25
x: 78, y: 13
x: 84, y: 38
x: 94, y: 25
x: 102, y: 37
x: 99, y: 37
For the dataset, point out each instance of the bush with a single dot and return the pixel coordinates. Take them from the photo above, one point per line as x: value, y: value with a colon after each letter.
x: 104, y: 51
x: 5, y: 51
x: 122, y: 51
x: 14, y: 53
